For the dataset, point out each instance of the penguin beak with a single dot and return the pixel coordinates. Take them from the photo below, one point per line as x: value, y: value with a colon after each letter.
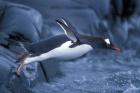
x: 116, y: 49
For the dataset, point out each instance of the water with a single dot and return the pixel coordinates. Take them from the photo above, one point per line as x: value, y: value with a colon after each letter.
x: 98, y: 72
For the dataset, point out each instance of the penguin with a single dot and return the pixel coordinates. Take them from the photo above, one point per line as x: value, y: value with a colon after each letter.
x: 68, y: 46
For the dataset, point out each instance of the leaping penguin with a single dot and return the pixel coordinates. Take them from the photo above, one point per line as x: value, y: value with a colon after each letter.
x: 67, y: 46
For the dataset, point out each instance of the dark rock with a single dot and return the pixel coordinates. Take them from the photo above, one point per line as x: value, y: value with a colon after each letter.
x: 28, y: 22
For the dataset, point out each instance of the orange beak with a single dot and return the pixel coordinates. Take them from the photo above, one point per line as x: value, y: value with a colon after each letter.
x: 116, y: 49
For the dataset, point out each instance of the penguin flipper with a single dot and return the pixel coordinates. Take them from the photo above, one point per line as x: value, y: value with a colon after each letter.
x: 68, y: 29
x: 71, y: 36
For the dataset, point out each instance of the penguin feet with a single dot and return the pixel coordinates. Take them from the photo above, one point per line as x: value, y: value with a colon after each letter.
x: 21, y: 66
x: 23, y: 56
x: 21, y: 59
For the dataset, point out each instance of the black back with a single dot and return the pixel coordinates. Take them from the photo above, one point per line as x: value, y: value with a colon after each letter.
x: 46, y: 45
x: 95, y: 42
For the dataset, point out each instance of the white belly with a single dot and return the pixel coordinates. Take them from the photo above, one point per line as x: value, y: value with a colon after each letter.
x: 65, y: 52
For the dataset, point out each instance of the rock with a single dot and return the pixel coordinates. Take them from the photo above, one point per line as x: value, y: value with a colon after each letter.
x: 28, y: 22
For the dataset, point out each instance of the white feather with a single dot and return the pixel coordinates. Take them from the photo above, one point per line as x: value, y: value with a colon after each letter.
x: 107, y: 41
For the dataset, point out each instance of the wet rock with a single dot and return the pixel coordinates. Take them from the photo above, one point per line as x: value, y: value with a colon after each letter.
x: 28, y: 22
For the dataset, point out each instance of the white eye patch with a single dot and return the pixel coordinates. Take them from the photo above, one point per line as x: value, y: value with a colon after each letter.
x: 107, y: 41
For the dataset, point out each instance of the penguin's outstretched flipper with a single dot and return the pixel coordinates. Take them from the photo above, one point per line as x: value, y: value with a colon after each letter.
x: 69, y: 30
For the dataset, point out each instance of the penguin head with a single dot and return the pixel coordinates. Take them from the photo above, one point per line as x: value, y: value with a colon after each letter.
x: 109, y: 45
x: 101, y: 43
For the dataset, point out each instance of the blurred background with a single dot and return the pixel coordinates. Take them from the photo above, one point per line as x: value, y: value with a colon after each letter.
x: 101, y: 71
